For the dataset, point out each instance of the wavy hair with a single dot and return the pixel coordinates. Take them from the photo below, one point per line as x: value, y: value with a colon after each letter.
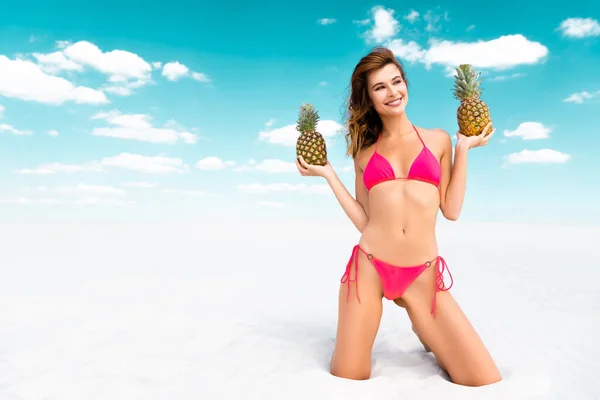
x: 364, y: 124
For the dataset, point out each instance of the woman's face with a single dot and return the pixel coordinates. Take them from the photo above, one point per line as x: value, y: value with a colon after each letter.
x: 387, y: 91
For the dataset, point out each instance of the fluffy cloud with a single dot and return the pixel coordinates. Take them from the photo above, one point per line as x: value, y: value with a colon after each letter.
x: 384, y: 25
x: 529, y: 131
x: 582, y: 97
x: 124, y: 70
x: 579, y: 27
x: 138, y: 127
x: 25, y: 80
x: 174, y: 71
x: 288, y: 134
x: 505, y: 52
x: 213, y: 163
x: 412, y: 16
x: 543, y: 156
x: 5, y: 128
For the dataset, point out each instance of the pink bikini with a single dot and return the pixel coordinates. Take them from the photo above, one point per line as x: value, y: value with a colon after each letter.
x: 396, y: 279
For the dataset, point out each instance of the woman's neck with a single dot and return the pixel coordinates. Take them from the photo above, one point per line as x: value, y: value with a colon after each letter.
x: 396, y: 126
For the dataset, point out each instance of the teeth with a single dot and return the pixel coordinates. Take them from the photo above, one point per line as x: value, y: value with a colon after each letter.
x: 395, y: 101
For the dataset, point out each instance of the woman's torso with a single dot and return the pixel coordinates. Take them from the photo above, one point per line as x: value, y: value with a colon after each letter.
x: 402, y: 213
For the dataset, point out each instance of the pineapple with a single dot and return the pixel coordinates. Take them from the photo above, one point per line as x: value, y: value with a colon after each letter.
x: 472, y: 114
x: 310, y: 144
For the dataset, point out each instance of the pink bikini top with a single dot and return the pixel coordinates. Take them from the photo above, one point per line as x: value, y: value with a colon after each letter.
x: 424, y: 168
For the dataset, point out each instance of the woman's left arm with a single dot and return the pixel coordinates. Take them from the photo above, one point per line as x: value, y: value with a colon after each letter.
x: 453, y: 182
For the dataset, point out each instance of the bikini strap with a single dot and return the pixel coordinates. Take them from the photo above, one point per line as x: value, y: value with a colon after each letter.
x: 419, y: 135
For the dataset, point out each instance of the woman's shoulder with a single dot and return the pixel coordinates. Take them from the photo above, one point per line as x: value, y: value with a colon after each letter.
x: 435, y: 135
x: 437, y: 139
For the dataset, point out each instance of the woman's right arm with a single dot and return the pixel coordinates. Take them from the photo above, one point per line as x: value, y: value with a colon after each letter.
x: 355, y: 209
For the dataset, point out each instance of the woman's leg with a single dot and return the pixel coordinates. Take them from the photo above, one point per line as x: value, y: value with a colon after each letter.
x: 358, y: 322
x: 450, y: 336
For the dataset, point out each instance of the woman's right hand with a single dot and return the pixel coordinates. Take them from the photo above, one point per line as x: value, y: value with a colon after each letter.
x: 306, y: 169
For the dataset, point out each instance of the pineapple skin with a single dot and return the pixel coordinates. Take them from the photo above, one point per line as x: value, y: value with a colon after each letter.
x: 473, y: 114
x: 310, y: 144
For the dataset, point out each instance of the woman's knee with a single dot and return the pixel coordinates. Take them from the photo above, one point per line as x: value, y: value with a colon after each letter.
x: 479, y: 380
x: 351, y: 372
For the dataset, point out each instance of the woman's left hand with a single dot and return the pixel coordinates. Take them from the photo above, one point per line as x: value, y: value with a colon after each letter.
x: 478, y: 140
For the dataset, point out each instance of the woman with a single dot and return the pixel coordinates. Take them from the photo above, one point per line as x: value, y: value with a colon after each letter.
x: 404, y: 175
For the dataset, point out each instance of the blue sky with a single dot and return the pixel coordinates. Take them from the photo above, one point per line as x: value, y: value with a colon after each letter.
x: 188, y: 111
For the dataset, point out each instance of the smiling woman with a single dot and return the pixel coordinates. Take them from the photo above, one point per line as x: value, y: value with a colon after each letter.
x: 404, y: 176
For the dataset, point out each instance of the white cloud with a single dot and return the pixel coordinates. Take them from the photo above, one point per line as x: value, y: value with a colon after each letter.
x: 52, y: 132
x: 213, y: 163
x: 146, y: 164
x: 200, y: 77
x: 288, y: 134
x: 579, y: 27
x: 119, y: 65
x: 384, y: 26
x: 188, y: 137
x: 326, y: 21
x: 529, y: 131
x: 138, y: 127
x: 543, y: 156
x: 260, y: 188
x: 409, y: 51
x: 24, y: 80
x: 56, y: 62
x: 174, y: 71
x: 1, y: 111
x: 501, y: 53
x: 581, y: 97
x: 124, y: 70
x: 11, y: 129
x: 412, y: 16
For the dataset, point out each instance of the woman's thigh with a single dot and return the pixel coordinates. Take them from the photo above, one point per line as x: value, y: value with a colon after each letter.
x: 358, y: 321
x: 452, y: 339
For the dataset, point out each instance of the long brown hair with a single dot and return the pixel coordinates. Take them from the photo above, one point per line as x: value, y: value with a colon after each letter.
x: 364, y: 124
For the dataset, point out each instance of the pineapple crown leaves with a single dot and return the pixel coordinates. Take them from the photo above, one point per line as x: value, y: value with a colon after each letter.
x: 307, y: 119
x: 466, y: 82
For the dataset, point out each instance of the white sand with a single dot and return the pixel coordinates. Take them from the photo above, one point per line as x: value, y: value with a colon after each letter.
x: 180, y: 311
